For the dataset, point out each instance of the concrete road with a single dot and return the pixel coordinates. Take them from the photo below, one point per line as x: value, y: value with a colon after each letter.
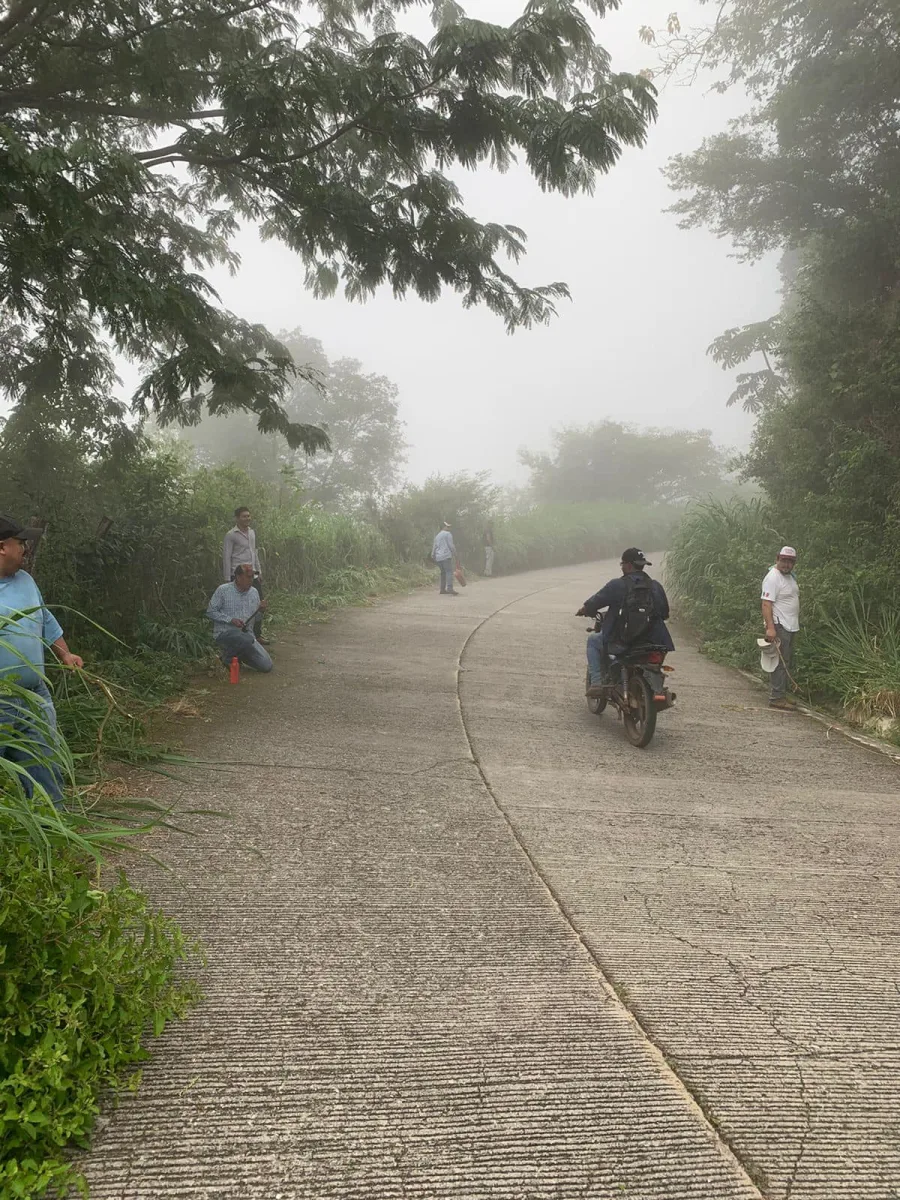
x: 465, y: 941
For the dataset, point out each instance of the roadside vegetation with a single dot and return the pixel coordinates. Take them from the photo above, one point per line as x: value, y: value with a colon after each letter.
x: 809, y: 173
x: 848, y: 657
x: 89, y: 968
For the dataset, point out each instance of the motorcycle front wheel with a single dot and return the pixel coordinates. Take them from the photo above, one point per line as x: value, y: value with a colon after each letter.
x: 639, y: 718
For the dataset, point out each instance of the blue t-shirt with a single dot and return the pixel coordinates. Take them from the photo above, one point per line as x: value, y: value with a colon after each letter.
x: 23, y: 637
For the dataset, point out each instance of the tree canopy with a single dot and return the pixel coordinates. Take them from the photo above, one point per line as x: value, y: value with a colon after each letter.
x: 135, y: 136
x: 811, y: 171
x: 611, y: 461
x: 359, y: 413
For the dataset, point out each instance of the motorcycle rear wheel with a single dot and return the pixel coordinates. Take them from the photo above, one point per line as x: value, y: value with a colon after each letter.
x: 640, y: 720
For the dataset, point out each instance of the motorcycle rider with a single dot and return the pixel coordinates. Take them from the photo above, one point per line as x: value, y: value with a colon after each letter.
x: 611, y: 597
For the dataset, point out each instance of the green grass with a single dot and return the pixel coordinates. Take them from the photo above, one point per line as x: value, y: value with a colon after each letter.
x: 848, y: 652
x: 857, y: 654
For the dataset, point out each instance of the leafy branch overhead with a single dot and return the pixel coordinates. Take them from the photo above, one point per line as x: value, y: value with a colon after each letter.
x: 809, y: 172
x: 137, y: 135
x: 755, y: 390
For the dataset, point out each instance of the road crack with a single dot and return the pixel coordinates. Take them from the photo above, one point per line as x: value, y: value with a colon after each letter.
x: 607, y: 985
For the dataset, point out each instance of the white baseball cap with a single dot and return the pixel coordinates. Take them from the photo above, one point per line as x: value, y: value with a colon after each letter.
x: 787, y: 552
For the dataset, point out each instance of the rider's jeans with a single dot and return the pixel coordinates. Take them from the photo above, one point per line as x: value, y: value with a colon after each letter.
x: 595, y: 644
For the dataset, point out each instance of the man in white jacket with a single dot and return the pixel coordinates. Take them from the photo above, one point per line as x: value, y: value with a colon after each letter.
x: 444, y: 554
x: 781, y: 614
x: 238, y: 548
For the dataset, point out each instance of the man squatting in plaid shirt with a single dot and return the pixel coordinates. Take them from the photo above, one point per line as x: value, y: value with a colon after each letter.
x: 231, y: 609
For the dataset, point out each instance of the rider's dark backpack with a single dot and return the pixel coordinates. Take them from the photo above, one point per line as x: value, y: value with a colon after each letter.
x: 637, y: 611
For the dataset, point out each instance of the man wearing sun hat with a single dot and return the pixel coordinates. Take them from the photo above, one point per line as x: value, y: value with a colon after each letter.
x: 781, y: 615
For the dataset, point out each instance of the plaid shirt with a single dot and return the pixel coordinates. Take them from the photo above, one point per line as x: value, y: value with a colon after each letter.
x: 227, y: 602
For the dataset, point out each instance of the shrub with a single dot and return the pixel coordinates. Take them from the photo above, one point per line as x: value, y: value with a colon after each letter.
x: 411, y: 518
x: 86, y: 972
x: 560, y: 534
x: 718, y: 556
x: 849, y: 652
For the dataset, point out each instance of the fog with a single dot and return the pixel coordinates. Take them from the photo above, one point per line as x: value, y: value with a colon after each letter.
x: 647, y: 299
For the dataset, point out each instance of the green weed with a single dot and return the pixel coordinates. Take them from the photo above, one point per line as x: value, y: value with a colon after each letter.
x: 86, y: 971
x: 848, y: 653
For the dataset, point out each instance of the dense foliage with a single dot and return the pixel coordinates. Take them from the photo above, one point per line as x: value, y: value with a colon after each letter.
x: 527, y: 535
x: 87, y: 971
x: 813, y: 172
x: 557, y: 535
x: 619, y: 463
x: 413, y: 516
x: 135, y: 136
x: 849, y: 653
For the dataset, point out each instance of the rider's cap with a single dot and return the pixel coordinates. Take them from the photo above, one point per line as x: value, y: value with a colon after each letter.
x: 787, y: 552
x: 635, y: 557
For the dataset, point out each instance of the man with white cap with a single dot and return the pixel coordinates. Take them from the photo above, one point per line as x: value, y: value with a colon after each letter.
x: 781, y: 614
x: 444, y: 554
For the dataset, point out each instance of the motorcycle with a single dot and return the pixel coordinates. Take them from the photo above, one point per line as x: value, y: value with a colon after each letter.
x: 639, y: 690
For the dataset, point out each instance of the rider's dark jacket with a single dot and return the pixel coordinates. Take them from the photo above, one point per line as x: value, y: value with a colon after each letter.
x: 611, y: 597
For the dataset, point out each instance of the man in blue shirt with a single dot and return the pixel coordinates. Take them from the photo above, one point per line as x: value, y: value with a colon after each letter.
x: 232, y: 607
x: 27, y: 722
x: 611, y: 597
x: 444, y: 554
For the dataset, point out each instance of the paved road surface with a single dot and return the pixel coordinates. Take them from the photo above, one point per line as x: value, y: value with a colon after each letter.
x: 465, y: 942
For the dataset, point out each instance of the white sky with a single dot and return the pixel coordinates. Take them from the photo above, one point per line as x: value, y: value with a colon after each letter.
x: 647, y: 299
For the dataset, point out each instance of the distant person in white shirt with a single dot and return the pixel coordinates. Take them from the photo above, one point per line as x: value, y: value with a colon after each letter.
x: 239, y: 547
x: 781, y: 614
x: 444, y: 554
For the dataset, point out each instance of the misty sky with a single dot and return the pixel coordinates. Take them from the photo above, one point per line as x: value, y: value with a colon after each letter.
x: 647, y: 299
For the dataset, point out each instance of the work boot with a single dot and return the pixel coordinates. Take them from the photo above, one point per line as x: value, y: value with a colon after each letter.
x: 783, y: 704
x: 596, y: 691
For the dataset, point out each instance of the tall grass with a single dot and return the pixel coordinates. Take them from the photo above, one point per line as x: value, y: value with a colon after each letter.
x: 561, y: 534
x: 717, y: 559
x: 99, y: 722
x: 304, y: 547
x: 848, y: 653
x: 856, y: 651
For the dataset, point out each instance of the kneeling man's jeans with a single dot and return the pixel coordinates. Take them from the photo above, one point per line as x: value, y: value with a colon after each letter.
x: 596, y: 653
x: 242, y: 645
